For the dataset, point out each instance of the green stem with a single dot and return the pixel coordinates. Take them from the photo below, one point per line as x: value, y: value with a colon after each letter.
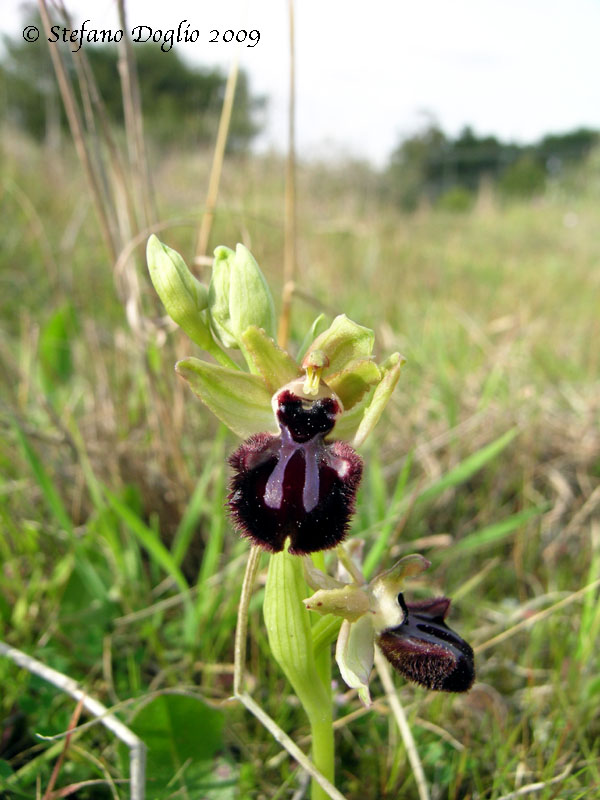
x: 290, y: 639
x: 221, y: 356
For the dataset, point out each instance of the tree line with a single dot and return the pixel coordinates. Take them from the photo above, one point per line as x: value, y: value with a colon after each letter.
x: 181, y: 102
x: 432, y: 164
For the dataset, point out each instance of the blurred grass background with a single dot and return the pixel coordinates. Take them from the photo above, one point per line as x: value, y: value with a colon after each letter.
x: 120, y: 568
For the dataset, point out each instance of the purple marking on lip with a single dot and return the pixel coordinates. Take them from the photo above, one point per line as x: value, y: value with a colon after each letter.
x: 312, y: 451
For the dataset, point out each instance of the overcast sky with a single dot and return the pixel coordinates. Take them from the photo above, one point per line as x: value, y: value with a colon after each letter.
x: 368, y: 72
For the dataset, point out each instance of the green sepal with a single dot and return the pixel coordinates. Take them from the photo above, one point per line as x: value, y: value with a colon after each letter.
x: 383, y: 391
x: 274, y: 365
x: 240, y: 400
x: 182, y: 295
x: 238, y: 296
x: 354, y: 653
x: 352, y: 383
x: 384, y: 589
x: 218, y: 298
x: 349, y: 602
x: 344, y: 341
x: 359, y: 422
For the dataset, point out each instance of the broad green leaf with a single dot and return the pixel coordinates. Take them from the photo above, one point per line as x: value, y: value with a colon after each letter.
x: 274, y: 365
x: 344, y: 341
x: 240, y: 400
x: 352, y: 383
x: 182, y: 734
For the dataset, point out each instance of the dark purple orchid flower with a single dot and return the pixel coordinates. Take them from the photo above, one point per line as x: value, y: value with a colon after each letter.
x: 296, y: 484
x: 425, y: 650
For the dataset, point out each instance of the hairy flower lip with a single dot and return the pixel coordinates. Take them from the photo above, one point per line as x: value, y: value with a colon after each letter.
x: 425, y: 650
x: 296, y: 484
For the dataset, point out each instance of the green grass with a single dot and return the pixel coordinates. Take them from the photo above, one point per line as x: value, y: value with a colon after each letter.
x: 119, y: 567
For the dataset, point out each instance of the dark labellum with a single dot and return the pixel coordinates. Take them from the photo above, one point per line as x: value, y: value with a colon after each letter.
x: 295, y: 484
x: 425, y: 650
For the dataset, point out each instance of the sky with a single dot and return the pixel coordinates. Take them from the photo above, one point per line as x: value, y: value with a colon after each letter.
x: 370, y: 72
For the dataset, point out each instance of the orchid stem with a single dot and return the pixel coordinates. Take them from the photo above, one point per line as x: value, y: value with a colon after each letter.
x: 290, y: 638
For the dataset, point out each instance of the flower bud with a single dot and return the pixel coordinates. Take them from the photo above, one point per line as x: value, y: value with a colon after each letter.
x: 184, y: 297
x: 238, y: 297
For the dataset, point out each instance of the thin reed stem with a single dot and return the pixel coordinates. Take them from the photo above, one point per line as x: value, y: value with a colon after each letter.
x: 76, y: 126
x: 217, y: 162
x: 241, y: 629
x: 411, y: 749
x: 289, y: 253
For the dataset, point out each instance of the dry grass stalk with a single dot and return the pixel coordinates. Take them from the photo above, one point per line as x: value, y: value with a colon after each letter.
x: 134, y: 126
x: 77, y: 132
x: 289, y: 255
x: 217, y: 163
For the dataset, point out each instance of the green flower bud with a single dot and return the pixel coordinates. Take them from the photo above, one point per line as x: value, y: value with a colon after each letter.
x: 184, y: 297
x: 238, y: 297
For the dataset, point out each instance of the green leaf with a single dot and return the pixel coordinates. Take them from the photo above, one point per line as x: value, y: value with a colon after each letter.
x: 5, y: 769
x: 352, y: 383
x: 289, y: 631
x: 492, y: 534
x: 55, y: 351
x: 462, y: 472
x: 275, y: 366
x: 468, y: 467
x: 344, y: 341
x: 182, y: 734
x: 240, y: 400
x: 149, y: 540
x: 51, y: 495
x: 183, y: 296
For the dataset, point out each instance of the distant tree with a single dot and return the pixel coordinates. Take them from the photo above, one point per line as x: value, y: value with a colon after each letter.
x: 430, y: 164
x: 525, y: 178
x: 181, y: 103
x: 557, y: 150
x: 413, y: 168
